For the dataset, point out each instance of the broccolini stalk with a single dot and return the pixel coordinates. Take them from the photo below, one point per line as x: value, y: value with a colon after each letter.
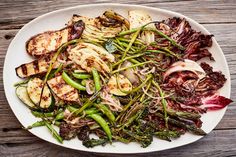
x: 94, y: 142
x: 191, y: 128
x: 167, y: 135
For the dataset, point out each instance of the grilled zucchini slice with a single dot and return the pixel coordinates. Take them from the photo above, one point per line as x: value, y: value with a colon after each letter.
x: 34, y: 89
x: 21, y: 92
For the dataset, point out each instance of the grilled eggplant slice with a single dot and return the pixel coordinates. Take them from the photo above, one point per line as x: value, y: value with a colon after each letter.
x: 35, y: 88
x: 63, y: 90
x: 22, y: 94
x: 50, y: 41
x: 38, y: 66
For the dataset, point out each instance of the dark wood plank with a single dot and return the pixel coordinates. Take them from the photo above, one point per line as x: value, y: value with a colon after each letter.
x: 15, y: 13
x: 217, y: 144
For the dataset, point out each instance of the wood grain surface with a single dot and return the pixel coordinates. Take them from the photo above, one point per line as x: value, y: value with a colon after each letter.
x: 218, y: 16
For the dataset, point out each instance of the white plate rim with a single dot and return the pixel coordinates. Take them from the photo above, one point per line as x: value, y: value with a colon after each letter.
x: 227, y: 73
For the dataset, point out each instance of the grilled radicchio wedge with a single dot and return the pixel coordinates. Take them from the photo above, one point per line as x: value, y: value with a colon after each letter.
x: 215, y: 102
x: 195, y: 43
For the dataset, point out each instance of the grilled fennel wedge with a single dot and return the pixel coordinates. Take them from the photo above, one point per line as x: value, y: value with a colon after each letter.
x: 101, y: 29
x: 89, y: 56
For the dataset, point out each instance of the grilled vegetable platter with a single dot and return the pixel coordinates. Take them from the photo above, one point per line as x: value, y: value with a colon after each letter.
x: 121, y: 79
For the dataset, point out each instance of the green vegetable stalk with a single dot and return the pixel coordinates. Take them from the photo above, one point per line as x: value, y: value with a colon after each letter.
x: 54, y: 132
x: 102, y: 123
x: 96, y: 79
x: 71, y: 82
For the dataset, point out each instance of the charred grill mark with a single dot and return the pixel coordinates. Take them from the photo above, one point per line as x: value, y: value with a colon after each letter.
x: 47, y: 58
x: 69, y: 94
x: 24, y: 69
x: 90, y: 61
x: 36, y: 65
x: 58, y: 85
x: 59, y: 41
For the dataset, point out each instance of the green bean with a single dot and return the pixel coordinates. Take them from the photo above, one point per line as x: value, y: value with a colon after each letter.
x: 127, y: 45
x: 96, y: 79
x: 119, y: 47
x: 105, y: 110
x: 57, y: 123
x: 142, y: 84
x: 170, y: 52
x: 54, y: 132
x: 60, y: 49
x: 132, y: 66
x: 81, y: 76
x: 127, y: 32
x: 36, y: 124
x: 56, y: 71
x: 91, y: 111
x: 131, y: 42
x: 134, y: 29
x: 163, y: 101
x: 158, y: 51
x: 134, y: 61
x: 72, y: 109
x: 60, y: 116
x: 41, y: 114
x: 88, y: 111
x: 127, y: 58
x: 119, y: 43
x: 140, y: 50
x: 139, y: 42
x: 102, y: 123
x: 83, y: 82
x: 72, y: 83
x: 173, y: 42
x: 88, y: 103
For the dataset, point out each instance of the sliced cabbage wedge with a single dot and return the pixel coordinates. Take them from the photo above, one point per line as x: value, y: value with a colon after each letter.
x: 119, y: 85
x: 138, y: 18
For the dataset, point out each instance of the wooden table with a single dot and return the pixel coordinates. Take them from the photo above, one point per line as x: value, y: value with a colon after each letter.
x: 217, y: 16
